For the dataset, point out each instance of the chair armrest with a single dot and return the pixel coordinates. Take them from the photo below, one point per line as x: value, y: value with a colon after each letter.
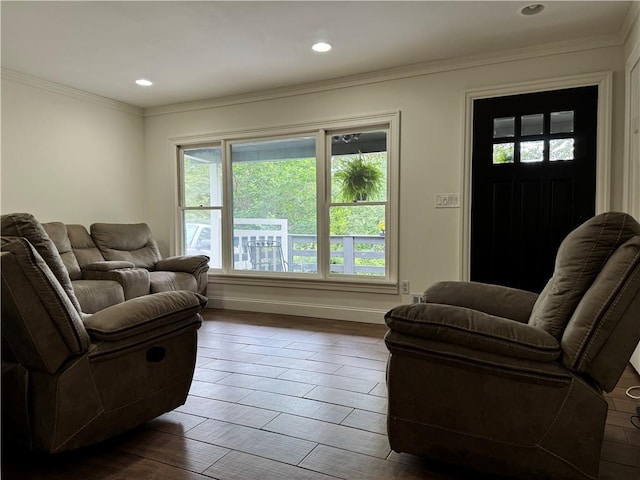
x: 473, y: 329
x: 184, y: 263
x: 492, y: 299
x: 144, y: 314
x: 107, y: 266
x: 135, y: 282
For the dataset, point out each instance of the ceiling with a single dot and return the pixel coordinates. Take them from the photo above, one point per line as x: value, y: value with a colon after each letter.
x: 201, y: 50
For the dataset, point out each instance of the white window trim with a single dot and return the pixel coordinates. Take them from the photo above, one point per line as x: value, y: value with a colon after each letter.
x: 604, y: 82
x: 387, y: 285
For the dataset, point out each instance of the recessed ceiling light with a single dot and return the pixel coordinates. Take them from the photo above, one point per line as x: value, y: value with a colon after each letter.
x: 533, y: 9
x: 143, y: 82
x: 321, y: 47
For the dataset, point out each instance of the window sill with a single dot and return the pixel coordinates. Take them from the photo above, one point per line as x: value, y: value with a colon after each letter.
x: 348, y: 285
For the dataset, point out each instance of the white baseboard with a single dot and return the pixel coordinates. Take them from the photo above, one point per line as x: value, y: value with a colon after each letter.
x: 351, y: 314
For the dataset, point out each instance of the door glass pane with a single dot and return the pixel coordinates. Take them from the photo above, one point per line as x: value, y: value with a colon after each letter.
x: 504, y: 127
x: 357, y: 241
x: 532, y: 151
x: 202, y: 177
x: 562, y: 122
x: 532, y: 124
x: 502, y: 153
x: 274, y: 203
x: 359, y: 167
x: 561, y: 149
x: 202, y: 235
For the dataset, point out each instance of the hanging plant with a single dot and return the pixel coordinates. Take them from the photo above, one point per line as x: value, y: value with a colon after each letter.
x: 358, y: 179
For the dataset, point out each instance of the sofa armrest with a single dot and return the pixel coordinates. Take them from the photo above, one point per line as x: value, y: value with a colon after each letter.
x: 495, y: 300
x: 144, y: 314
x: 107, y: 266
x: 473, y: 329
x: 135, y: 282
x: 184, y: 263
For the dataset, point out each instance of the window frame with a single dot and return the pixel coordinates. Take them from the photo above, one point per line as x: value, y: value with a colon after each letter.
x: 323, y: 279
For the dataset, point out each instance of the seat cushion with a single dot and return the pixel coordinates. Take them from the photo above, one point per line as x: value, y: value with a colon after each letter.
x: 581, y: 257
x: 168, y: 281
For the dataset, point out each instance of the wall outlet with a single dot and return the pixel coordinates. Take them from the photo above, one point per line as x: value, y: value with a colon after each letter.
x: 404, y: 287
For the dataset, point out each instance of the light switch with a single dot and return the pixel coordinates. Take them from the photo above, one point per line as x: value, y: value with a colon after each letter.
x: 447, y: 200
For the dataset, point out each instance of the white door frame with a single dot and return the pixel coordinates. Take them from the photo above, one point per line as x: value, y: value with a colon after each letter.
x: 604, y: 81
x: 631, y: 169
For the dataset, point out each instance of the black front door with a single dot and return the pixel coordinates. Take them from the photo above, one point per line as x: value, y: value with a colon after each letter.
x: 533, y: 181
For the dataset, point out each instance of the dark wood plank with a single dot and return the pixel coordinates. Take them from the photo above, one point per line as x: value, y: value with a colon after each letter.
x: 174, y: 450
x: 370, y: 421
x: 327, y: 380
x: 325, y: 433
x: 349, y: 399
x: 273, y: 385
x: 227, y: 412
x: 270, y: 445
x: 242, y: 466
x: 298, y: 406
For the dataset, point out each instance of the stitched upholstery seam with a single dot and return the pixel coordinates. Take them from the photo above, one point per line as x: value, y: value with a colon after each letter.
x: 592, y: 335
x: 492, y: 366
x: 105, y: 411
x: 58, y: 303
x: 34, y: 343
x: 584, y: 264
x: 486, y: 336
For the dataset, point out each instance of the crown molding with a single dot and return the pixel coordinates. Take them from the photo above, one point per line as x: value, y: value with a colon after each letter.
x: 416, y: 70
x: 58, y: 88
x: 629, y: 21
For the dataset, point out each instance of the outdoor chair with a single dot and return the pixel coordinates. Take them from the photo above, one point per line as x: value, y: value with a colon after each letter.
x: 266, y: 255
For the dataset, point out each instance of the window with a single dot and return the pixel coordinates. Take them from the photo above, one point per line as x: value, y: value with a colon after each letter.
x: 358, y: 206
x: 201, y: 202
x: 274, y: 201
x: 316, y: 206
x: 540, y: 137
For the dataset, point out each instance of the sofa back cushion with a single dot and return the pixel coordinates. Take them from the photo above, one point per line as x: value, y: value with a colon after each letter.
x: 40, y: 325
x: 57, y: 232
x: 84, y: 248
x: 605, y: 327
x: 131, y: 242
x: 25, y: 225
x: 581, y: 257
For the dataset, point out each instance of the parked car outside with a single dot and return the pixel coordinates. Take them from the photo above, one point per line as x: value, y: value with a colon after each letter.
x: 197, y: 239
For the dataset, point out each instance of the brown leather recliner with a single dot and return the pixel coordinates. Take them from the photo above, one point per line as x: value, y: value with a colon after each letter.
x: 70, y: 380
x: 510, y: 382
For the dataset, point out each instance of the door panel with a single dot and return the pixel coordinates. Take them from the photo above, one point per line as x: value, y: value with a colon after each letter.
x: 533, y: 181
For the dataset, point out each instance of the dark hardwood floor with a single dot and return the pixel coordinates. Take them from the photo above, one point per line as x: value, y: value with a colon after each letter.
x: 279, y: 397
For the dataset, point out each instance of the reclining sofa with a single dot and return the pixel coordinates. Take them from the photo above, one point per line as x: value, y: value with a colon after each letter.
x: 116, y: 262
x: 71, y: 379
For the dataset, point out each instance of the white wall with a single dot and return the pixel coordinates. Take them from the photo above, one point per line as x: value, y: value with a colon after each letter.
x: 432, y: 126
x: 68, y: 157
